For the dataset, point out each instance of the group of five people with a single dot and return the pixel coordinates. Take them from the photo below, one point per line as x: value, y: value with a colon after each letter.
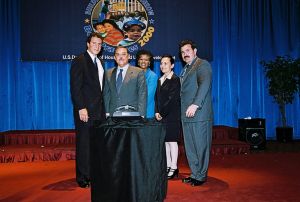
x: 177, y: 101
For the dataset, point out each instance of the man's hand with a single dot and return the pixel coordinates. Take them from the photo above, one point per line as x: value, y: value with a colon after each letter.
x: 83, y: 115
x: 191, y: 110
x: 158, y: 116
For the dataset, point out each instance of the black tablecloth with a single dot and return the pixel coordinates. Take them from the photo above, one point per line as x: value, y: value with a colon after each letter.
x: 128, y: 162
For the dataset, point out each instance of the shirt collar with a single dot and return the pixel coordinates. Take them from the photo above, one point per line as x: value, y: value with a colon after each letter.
x: 92, y: 55
x: 124, y: 68
x: 168, y: 77
x: 147, y: 71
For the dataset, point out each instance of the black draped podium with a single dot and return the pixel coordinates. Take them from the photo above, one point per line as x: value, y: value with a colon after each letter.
x: 128, y: 162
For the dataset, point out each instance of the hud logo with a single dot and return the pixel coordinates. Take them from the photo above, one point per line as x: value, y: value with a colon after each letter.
x: 127, y: 23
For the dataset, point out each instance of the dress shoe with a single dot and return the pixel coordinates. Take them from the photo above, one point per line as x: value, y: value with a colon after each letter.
x: 84, y: 184
x: 197, y: 182
x: 172, y: 173
x: 187, y: 180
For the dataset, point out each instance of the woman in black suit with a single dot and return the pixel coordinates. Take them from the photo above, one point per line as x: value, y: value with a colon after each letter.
x: 167, y: 110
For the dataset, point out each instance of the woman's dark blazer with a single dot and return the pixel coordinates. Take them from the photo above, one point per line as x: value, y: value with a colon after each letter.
x: 167, y: 104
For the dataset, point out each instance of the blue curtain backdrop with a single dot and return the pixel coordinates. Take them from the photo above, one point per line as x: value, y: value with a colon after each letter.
x: 35, y: 95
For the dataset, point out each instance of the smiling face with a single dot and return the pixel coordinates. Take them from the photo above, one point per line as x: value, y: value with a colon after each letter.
x: 94, y: 46
x: 121, y: 56
x: 144, y: 61
x: 108, y: 27
x: 165, y: 65
x: 100, y: 28
x: 134, y: 32
x: 188, y: 53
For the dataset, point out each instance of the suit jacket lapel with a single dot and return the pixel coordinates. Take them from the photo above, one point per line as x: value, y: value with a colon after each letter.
x: 113, y: 78
x: 127, y: 76
x: 92, y: 69
x: 195, y: 64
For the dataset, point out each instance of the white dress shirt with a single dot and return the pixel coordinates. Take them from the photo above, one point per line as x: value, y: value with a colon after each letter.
x: 124, y: 71
x: 164, y: 77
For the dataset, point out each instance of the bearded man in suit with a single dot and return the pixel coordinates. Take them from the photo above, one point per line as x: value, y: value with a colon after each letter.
x: 196, y: 112
x: 125, y: 84
x: 86, y: 85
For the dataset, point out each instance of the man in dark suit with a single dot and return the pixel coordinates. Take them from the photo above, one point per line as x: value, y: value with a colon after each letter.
x: 86, y: 79
x: 125, y: 85
x: 196, y: 112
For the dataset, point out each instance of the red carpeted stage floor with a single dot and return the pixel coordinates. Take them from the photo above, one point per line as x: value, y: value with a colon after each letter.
x: 255, y: 177
x: 40, y: 166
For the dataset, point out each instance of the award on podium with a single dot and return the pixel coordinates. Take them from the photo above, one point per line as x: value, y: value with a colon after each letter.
x: 126, y: 113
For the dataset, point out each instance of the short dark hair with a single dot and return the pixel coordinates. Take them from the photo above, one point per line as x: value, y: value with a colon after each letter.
x: 170, y: 58
x: 145, y: 52
x: 93, y: 34
x: 98, y: 23
x: 187, y: 41
x: 118, y: 47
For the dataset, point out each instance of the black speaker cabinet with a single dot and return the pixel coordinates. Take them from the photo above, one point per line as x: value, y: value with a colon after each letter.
x: 253, y: 131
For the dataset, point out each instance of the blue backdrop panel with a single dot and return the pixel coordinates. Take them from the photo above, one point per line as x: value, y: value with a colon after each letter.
x: 53, y: 30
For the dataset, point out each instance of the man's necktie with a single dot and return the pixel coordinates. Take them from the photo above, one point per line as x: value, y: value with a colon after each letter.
x: 183, y: 72
x: 95, y: 62
x: 119, y: 80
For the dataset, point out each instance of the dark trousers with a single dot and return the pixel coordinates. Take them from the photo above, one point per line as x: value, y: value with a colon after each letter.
x: 82, y: 130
